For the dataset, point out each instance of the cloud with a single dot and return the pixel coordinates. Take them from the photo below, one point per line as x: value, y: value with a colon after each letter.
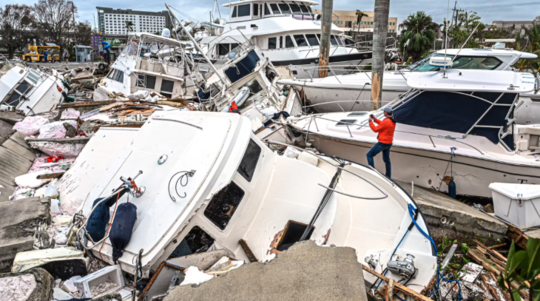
x: 514, y: 10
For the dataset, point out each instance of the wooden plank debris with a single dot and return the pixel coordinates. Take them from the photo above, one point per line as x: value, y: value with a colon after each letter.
x: 50, y: 176
x: 398, y: 286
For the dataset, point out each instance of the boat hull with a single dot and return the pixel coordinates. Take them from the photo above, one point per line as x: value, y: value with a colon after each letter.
x: 429, y: 168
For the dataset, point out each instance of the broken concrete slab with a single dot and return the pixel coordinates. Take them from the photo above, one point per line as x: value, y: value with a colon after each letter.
x: 33, y: 285
x: 19, y: 149
x: 6, y: 130
x: 18, y: 221
x: 450, y: 218
x: 16, y: 157
x: 304, y: 272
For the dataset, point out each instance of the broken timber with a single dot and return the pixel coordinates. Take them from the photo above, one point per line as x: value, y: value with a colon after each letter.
x: 397, y: 286
x: 61, y: 140
x: 50, y: 176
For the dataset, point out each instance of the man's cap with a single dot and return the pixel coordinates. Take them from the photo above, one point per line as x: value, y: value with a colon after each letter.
x: 388, y: 110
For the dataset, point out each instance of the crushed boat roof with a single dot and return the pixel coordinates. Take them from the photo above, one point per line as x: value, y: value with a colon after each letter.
x: 472, y: 80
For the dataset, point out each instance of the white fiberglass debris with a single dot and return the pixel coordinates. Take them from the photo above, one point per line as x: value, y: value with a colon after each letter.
x: 30, y: 180
x: 103, y: 287
x: 22, y: 193
x: 17, y: 288
x: 195, y: 276
x: 55, y: 129
x: 69, y: 285
x: 30, y: 125
x: 46, y: 191
x: 55, y: 207
x: 291, y: 152
x: 70, y: 113
x: 60, y: 295
x: 139, y: 95
x: 224, y: 265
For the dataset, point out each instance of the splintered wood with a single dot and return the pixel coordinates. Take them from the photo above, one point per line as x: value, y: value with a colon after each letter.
x: 130, y: 108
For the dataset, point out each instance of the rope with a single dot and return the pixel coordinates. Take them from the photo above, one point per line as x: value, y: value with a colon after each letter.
x: 412, y: 211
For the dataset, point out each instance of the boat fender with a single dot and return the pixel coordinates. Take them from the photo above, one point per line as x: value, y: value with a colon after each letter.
x: 308, y: 158
x: 97, y: 222
x: 122, y: 228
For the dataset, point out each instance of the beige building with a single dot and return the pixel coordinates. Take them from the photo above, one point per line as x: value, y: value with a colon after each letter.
x: 346, y: 20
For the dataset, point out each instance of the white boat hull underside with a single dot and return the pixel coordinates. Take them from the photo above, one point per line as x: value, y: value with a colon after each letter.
x: 428, y: 168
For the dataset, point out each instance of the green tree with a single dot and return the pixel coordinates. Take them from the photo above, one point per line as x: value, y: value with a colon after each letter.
x: 418, y: 34
x: 469, y: 31
x: 528, y: 40
x: 16, y: 24
x: 129, y: 27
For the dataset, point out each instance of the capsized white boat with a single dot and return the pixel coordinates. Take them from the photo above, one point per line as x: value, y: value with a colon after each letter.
x: 458, y: 125
x: 352, y: 92
x: 30, y: 90
x: 209, y: 183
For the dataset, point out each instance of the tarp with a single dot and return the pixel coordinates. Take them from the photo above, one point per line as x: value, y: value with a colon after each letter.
x: 456, y: 112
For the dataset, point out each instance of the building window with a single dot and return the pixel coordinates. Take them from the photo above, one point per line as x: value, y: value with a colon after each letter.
x: 223, y: 205
x: 272, y: 43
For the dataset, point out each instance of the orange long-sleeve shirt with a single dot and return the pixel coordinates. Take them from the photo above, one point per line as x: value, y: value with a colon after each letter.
x: 385, y: 129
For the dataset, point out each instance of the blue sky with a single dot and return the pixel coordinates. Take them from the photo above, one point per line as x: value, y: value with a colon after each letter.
x: 502, y: 10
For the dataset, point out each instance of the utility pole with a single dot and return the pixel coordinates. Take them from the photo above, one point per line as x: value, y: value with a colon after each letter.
x: 326, y: 28
x: 380, y: 30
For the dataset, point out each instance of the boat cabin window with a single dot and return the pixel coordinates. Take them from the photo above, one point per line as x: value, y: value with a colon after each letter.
x: 272, y: 43
x: 244, y: 10
x: 275, y: 9
x: 338, y: 39
x: 333, y: 41
x: 312, y: 39
x: 345, y: 122
x: 267, y: 9
x: 300, y: 40
x: 462, y: 62
x: 255, y: 9
x: 167, y: 88
x: 221, y: 208
x: 249, y: 162
x: 285, y: 9
x: 293, y: 233
x: 17, y: 95
x: 118, y: 76
x: 223, y: 49
x: 288, y: 42
x: 234, y: 12
x: 146, y: 81
x: 304, y: 9
x: 295, y: 9
x: 196, y: 241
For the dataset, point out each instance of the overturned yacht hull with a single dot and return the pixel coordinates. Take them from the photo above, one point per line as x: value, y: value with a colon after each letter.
x: 217, y: 187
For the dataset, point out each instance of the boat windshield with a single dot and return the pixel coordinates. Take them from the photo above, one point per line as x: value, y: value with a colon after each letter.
x: 423, y: 65
x: 131, y: 49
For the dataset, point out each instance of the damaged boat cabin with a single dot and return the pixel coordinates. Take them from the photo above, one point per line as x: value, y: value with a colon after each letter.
x: 149, y: 63
x: 205, y: 182
x: 30, y: 90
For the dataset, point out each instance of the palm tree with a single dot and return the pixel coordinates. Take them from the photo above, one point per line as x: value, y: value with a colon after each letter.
x: 418, y: 34
x: 529, y: 42
x: 129, y: 27
x: 359, y: 15
x: 380, y: 30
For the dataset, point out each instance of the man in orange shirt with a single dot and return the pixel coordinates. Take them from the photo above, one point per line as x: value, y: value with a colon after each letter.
x: 385, y: 128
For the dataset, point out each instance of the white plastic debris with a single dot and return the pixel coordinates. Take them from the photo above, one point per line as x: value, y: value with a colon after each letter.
x: 224, y: 265
x: 55, y: 129
x: 60, y: 295
x: 70, y: 113
x: 291, y: 152
x: 69, y: 285
x: 30, y: 125
x: 139, y: 95
x: 195, y: 276
x: 55, y: 207
x: 104, y: 281
x: 47, y: 191
x: 30, y: 180
x: 470, y: 272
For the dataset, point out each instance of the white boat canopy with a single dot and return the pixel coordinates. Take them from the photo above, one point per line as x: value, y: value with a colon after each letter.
x: 307, y: 2
x: 150, y: 38
x: 472, y: 80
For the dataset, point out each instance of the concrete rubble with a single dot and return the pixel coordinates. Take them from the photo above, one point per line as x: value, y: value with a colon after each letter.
x: 304, y: 272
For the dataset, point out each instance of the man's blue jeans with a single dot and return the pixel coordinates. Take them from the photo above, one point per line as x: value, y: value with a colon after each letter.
x: 385, y: 149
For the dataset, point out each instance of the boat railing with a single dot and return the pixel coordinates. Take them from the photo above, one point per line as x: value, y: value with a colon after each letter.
x: 334, y: 70
x: 340, y: 161
x: 365, y: 123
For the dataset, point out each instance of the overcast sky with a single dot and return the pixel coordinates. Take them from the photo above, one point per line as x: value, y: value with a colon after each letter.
x: 199, y: 9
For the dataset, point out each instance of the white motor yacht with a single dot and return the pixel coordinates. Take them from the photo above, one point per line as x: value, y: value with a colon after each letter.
x: 31, y: 91
x: 352, y: 92
x: 287, y: 32
x: 149, y: 63
x: 457, y: 123
x: 206, y: 183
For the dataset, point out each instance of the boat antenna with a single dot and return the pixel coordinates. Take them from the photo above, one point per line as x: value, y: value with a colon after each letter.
x: 474, y: 30
x: 196, y: 45
x: 446, y: 38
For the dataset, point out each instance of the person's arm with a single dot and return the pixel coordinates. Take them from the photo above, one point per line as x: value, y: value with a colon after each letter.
x: 378, y: 128
x: 377, y: 121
